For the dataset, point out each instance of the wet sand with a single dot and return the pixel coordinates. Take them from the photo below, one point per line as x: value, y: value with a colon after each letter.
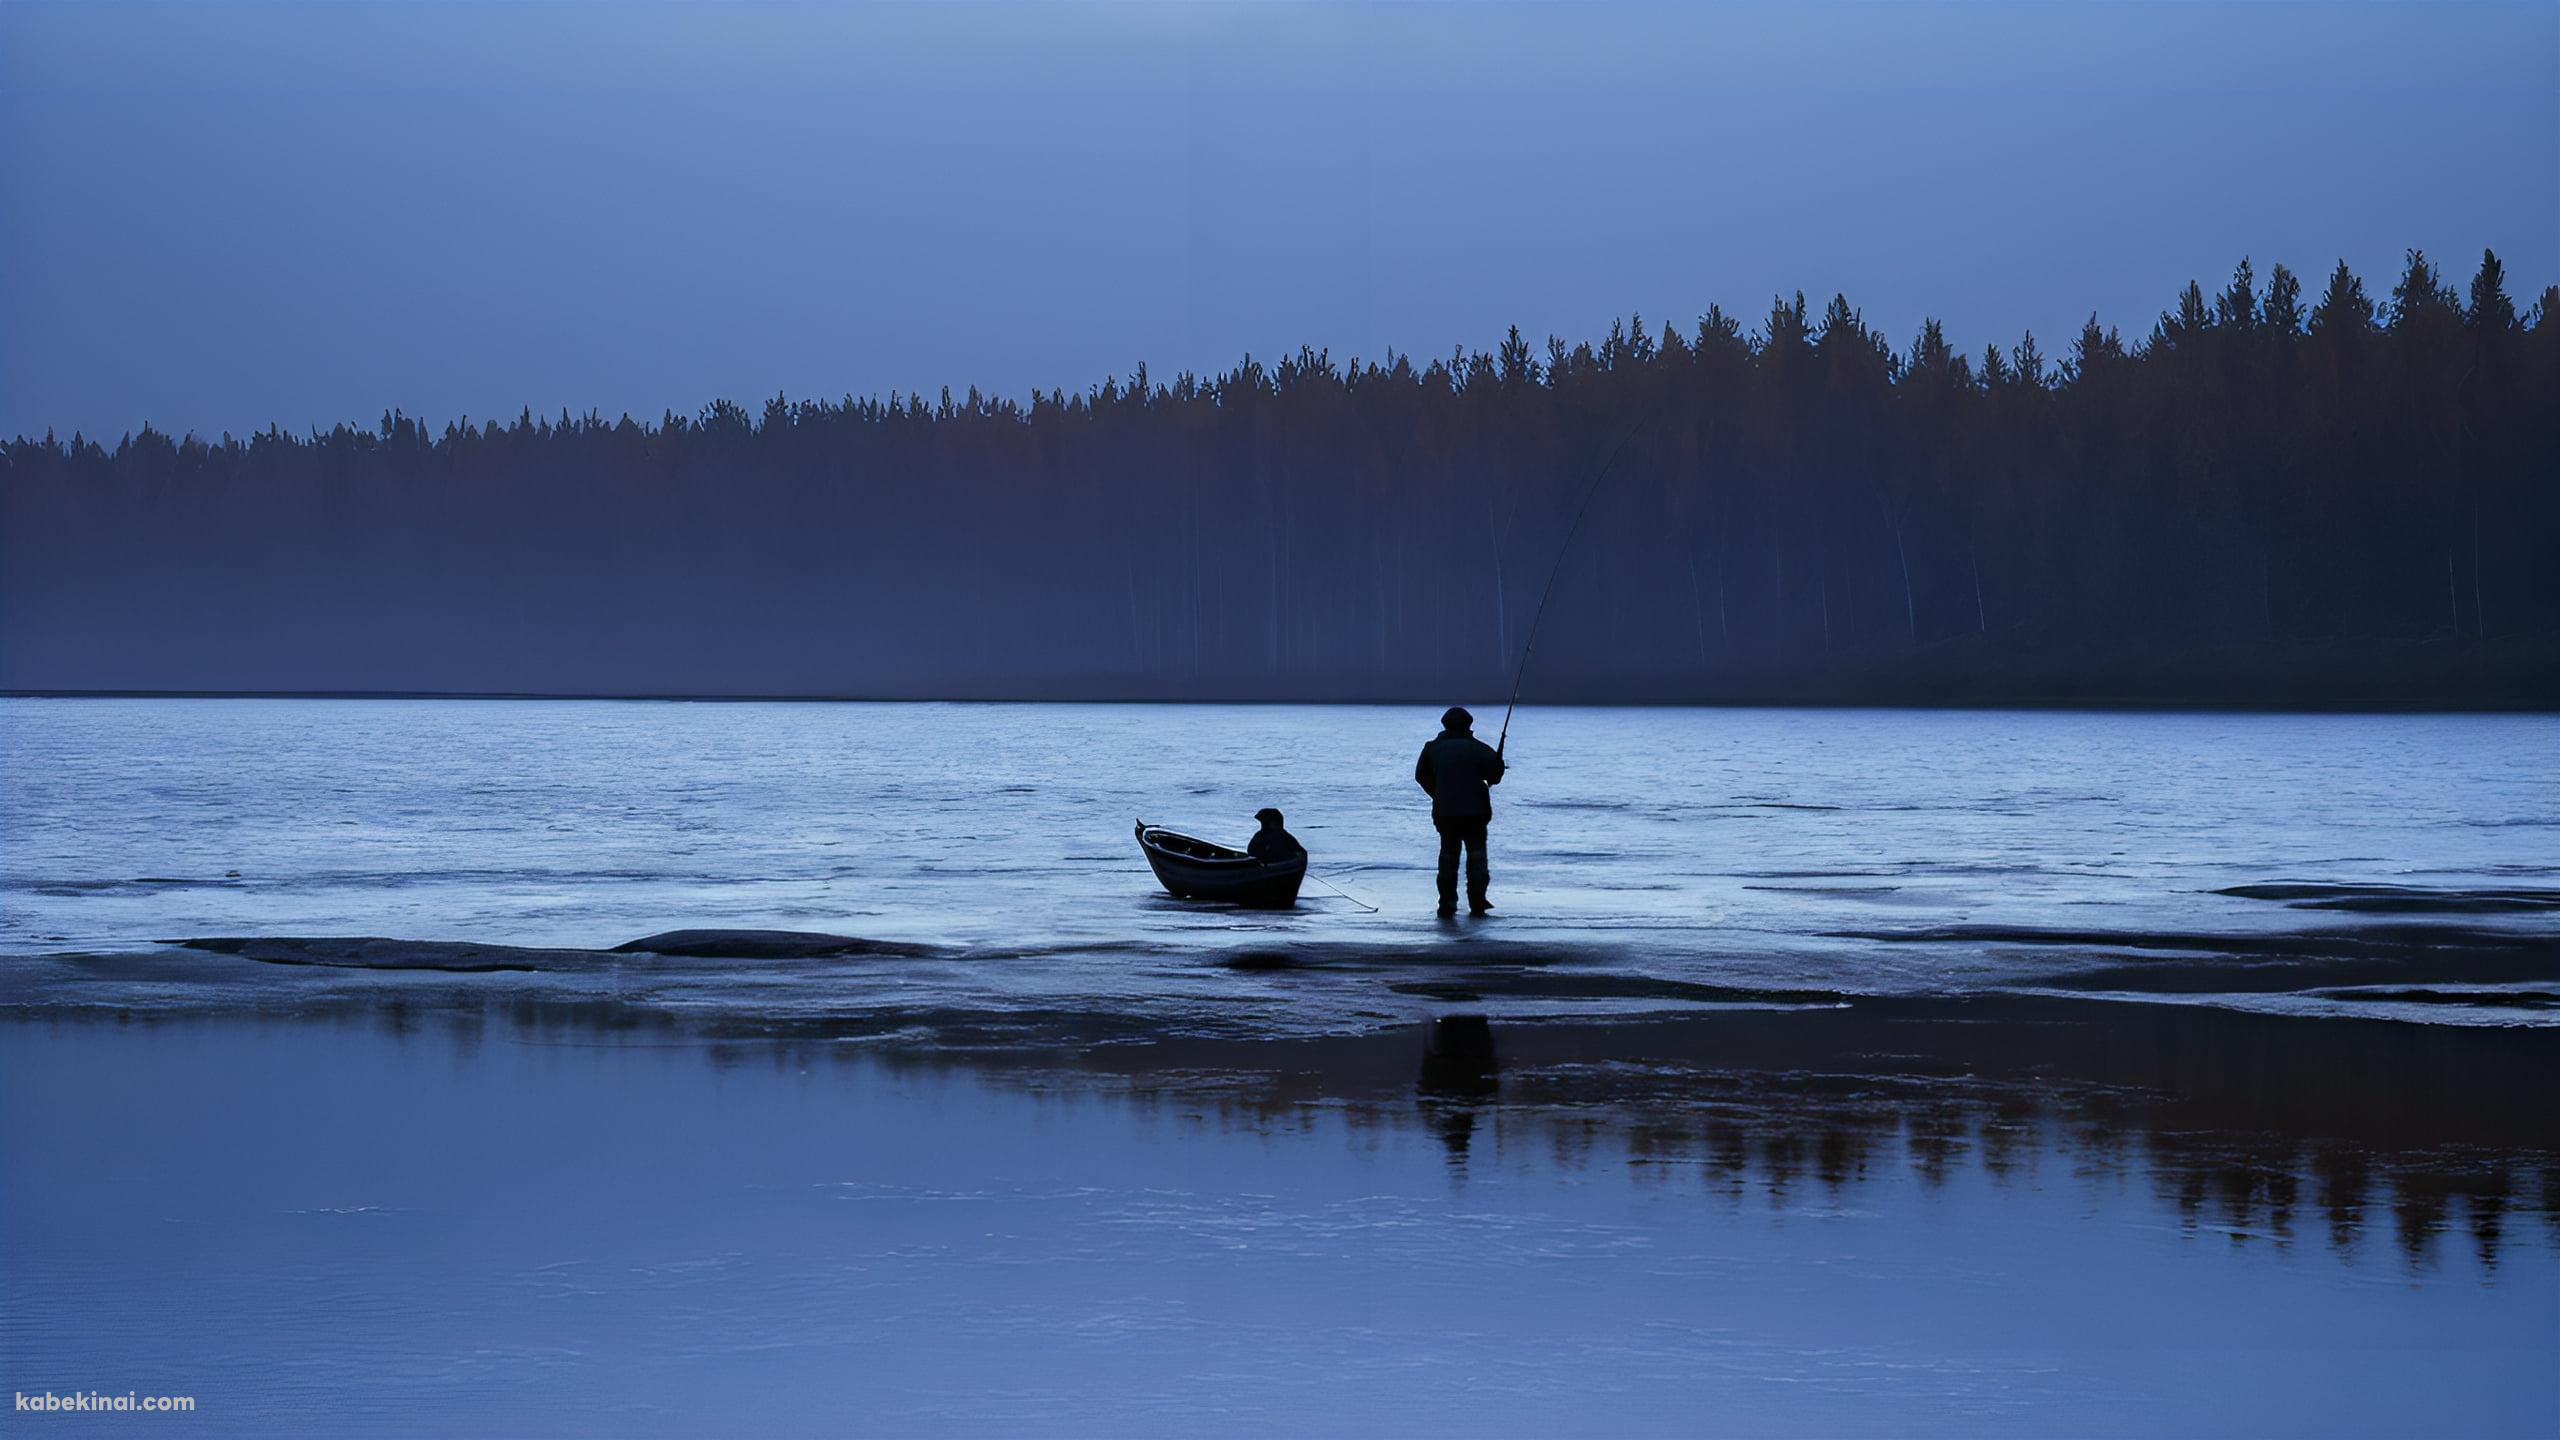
x: 777, y: 984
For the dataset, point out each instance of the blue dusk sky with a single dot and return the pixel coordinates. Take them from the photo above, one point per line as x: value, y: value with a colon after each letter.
x: 219, y: 216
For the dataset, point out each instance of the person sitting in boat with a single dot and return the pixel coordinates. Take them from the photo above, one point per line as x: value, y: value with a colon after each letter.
x: 1272, y: 844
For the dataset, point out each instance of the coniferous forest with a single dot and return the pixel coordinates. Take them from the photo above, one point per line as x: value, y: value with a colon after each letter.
x: 2273, y: 496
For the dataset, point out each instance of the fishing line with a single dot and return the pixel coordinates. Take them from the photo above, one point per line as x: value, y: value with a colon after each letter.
x: 1561, y: 551
x: 1345, y: 894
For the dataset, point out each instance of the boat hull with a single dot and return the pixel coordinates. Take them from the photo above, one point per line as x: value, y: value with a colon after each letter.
x: 1191, y: 868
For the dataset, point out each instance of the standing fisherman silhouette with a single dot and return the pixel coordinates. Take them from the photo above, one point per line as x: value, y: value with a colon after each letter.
x: 1458, y: 771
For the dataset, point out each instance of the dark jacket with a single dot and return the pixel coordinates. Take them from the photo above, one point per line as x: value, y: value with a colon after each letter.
x: 1271, y: 843
x: 1455, y: 770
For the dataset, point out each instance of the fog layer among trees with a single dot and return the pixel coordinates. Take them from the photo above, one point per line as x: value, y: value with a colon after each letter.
x: 2272, y: 496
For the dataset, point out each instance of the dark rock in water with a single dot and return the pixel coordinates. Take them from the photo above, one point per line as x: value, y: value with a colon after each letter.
x: 764, y: 945
x: 1610, y: 987
x: 372, y: 952
x: 2403, y: 940
x: 2399, y: 899
x: 2423, y: 995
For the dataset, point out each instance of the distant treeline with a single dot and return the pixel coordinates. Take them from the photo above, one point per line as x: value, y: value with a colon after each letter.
x: 2268, y: 498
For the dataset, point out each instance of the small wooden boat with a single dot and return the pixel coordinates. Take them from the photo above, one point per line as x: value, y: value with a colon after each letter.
x: 1191, y: 868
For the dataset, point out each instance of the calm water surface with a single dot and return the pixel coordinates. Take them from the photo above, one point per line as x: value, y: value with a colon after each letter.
x: 358, y: 1229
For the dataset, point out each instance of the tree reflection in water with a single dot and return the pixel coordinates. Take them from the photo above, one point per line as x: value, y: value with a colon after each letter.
x: 2242, y: 1124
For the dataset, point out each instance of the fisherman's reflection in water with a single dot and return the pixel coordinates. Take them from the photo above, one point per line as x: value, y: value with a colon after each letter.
x: 1459, y: 1077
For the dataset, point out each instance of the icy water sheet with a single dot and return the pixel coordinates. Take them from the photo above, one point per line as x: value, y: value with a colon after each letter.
x: 1984, y: 1217
x: 2313, y: 864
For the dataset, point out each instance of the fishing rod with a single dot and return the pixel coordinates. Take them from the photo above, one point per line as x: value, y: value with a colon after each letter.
x: 1522, y: 675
